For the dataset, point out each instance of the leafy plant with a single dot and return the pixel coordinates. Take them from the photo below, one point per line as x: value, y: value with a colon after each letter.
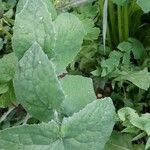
x: 73, y: 64
x: 135, y: 123
x: 56, y: 134
x: 39, y: 91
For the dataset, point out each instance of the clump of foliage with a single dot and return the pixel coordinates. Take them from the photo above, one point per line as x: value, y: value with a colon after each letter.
x: 68, y: 68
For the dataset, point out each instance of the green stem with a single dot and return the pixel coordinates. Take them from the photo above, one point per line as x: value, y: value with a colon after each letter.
x: 109, y: 37
x: 126, y: 22
x: 132, y: 7
x: 112, y: 22
x: 4, y: 116
x: 120, y: 23
x: 101, y: 3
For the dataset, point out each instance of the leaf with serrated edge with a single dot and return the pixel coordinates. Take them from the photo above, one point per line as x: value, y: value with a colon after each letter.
x: 69, y: 37
x: 139, y: 78
x: 89, y: 129
x: 79, y: 92
x: 144, y: 4
x: 33, y: 23
x: 30, y: 137
x: 36, y: 84
x: 48, y: 3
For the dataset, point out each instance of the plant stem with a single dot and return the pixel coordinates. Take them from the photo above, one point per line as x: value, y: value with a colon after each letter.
x: 4, y: 116
x: 101, y: 3
x: 27, y: 117
x: 112, y: 22
x: 126, y: 22
x: 109, y: 37
x: 120, y: 23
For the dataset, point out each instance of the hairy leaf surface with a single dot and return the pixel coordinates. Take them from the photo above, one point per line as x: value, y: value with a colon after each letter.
x: 48, y: 4
x: 79, y: 92
x: 139, y: 78
x: 33, y: 23
x: 144, y: 4
x: 36, y: 84
x: 89, y: 129
x: 69, y: 37
x: 34, y: 137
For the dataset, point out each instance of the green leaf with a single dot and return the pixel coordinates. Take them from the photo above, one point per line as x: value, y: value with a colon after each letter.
x: 3, y: 88
x: 1, y: 43
x: 7, y: 98
x: 134, y: 46
x: 79, y: 92
x: 69, y: 37
x: 92, y: 32
x: 36, y: 85
x: 20, y: 5
x: 122, y: 141
x: 139, y: 78
x: 111, y: 63
x: 144, y: 4
x: 87, y: 11
x: 48, y: 4
x: 138, y: 147
x: 142, y: 122
x: 8, y: 66
x: 147, y: 144
x: 127, y: 112
x: 34, y: 137
x: 63, y: 37
x: 119, y: 141
x: 89, y: 129
x: 137, y: 48
x: 33, y: 23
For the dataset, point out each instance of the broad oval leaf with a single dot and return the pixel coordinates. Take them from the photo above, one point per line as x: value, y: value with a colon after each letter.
x: 36, y: 84
x: 69, y: 37
x: 139, y: 78
x: 78, y: 93
x: 30, y: 137
x: 134, y: 46
x: 89, y: 129
x: 33, y: 23
x: 144, y: 4
x: 48, y: 4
